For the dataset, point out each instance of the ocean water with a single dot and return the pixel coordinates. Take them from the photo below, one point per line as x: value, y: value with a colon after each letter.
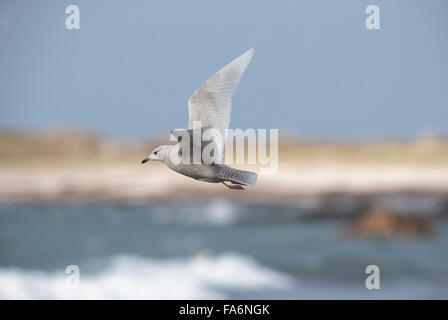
x: 214, y: 250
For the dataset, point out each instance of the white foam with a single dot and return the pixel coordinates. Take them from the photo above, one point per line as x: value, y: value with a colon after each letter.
x: 128, y: 277
x: 218, y: 212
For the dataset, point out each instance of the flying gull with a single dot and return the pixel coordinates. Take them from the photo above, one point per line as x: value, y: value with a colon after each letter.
x: 210, y: 105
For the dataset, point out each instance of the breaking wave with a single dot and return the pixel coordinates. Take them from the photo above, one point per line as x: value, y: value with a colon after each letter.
x: 130, y: 277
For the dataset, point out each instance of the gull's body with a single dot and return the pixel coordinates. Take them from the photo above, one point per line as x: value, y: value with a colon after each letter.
x: 211, y: 105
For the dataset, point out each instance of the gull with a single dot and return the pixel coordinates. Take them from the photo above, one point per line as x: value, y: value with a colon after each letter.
x: 210, y: 105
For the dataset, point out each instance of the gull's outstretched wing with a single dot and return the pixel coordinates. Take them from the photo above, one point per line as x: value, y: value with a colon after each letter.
x: 212, y: 102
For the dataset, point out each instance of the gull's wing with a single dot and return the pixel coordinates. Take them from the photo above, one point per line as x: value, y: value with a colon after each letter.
x: 211, y: 103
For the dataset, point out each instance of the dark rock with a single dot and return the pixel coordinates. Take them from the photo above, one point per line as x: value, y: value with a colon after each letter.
x: 388, y: 223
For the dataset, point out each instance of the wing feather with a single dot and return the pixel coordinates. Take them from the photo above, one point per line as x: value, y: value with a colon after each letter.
x: 211, y: 103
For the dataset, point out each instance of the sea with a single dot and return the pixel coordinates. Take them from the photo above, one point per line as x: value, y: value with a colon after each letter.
x: 219, y: 249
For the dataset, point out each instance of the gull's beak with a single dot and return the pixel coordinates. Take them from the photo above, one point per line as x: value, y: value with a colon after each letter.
x: 151, y: 157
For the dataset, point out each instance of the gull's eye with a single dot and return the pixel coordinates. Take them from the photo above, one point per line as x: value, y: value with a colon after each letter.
x: 155, y: 152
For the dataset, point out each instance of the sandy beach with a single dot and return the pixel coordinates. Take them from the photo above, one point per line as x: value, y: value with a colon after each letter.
x: 157, y: 183
x: 76, y: 166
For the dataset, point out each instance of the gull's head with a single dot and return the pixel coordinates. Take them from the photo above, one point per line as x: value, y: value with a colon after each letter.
x: 158, y: 154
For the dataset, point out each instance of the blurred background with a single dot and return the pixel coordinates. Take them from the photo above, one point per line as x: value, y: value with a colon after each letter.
x: 363, y: 154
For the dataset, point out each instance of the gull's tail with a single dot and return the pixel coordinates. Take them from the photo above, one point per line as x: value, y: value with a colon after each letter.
x: 242, y: 177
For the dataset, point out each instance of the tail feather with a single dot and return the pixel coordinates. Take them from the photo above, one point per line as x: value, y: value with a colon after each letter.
x: 242, y: 177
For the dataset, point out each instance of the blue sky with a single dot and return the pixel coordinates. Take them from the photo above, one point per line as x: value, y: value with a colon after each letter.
x: 317, y: 71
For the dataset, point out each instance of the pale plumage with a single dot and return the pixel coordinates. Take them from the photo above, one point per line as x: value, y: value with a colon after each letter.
x: 211, y: 105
